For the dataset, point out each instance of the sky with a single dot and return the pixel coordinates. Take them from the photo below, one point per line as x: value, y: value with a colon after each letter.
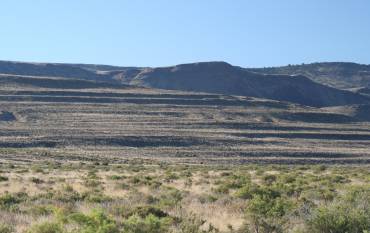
x: 248, y: 33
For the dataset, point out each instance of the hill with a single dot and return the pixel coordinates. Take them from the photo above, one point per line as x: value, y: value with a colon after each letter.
x: 49, y: 70
x: 336, y: 74
x: 223, y: 78
x: 211, y: 77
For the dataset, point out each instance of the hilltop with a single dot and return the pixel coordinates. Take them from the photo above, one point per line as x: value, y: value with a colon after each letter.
x: 211, y: 77
x: 336, y: 74
x: 223, y: 78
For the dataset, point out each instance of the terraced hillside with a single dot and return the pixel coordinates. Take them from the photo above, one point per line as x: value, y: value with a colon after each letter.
x: 42, y: 121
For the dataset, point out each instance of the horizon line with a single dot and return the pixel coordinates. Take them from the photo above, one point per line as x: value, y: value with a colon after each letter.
x: 184, y: 63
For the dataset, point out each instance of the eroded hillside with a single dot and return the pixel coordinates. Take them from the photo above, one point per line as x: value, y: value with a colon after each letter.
x: 118, y: 124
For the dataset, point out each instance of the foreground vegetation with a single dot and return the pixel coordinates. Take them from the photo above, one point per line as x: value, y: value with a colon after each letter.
x: 137, y: 198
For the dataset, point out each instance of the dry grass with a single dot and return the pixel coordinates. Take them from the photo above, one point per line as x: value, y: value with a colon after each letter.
x: 127, y: 186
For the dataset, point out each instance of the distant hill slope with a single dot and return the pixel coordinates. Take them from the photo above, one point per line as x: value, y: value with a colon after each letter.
x: 223, y: 78
x: 362, y: 90
x: 7, y: 80
x: 49, y: 70
x: 335, y: 74
x: 358, y: 112
x: 214, y: 77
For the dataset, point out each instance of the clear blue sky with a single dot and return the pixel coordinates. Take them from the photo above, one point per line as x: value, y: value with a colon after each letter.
x: 249, y: 33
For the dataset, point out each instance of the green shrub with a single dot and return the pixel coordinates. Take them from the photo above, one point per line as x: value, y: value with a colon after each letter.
x: 170, y: 176
x: 96, y: 197
x: 92, y: 183
x: 3, y: 178
x: 46, y: 227
x: 135, y: 180
x: 37, y: 169
x: 207, y: 198
x: 193, y: 224
x: 149, y: 224
x: 92, y: 174
x: 122, y: 186
x: 327, y: 194
x: 225, y: 174
x: 269, y: 179
x: 116, y: 177
x: 338, y: 219
x: 238, y: 181
x: 36, y: 180
x: 320, y: 168
x: 188, y: 182
x: 247, y: 191
x: 289, y: 178
x: 232, y: 182
x: 187, y: 174
x: 95, y: 222
x: 171, y: 197
x: 20, y: 171
x: 222, y: 189
x: 259, y: 172
x: 9, y: 201
x: 40, y: 210
x: 268, y: 214
x: 144, y: 211
x: 67, y: 194
x: 5, y: 228
x: 339, y: 179
x: 351, y: 214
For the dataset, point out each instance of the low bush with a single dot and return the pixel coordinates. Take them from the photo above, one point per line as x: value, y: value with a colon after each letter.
x: 348, y: 215
x: 5, y: 228
x: 207, y: 198
x: 247, y: 191
x: 149, y: 224
x: 36, y: 180
x: 95, y: 222
x: 9, y: 201
x: 269, y: 179
x: 46, y: 227
x: 40, y: 210
x: 268, y: 213
x: 116, y: 177
x: 144, y: 211
x: 3, y: 178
